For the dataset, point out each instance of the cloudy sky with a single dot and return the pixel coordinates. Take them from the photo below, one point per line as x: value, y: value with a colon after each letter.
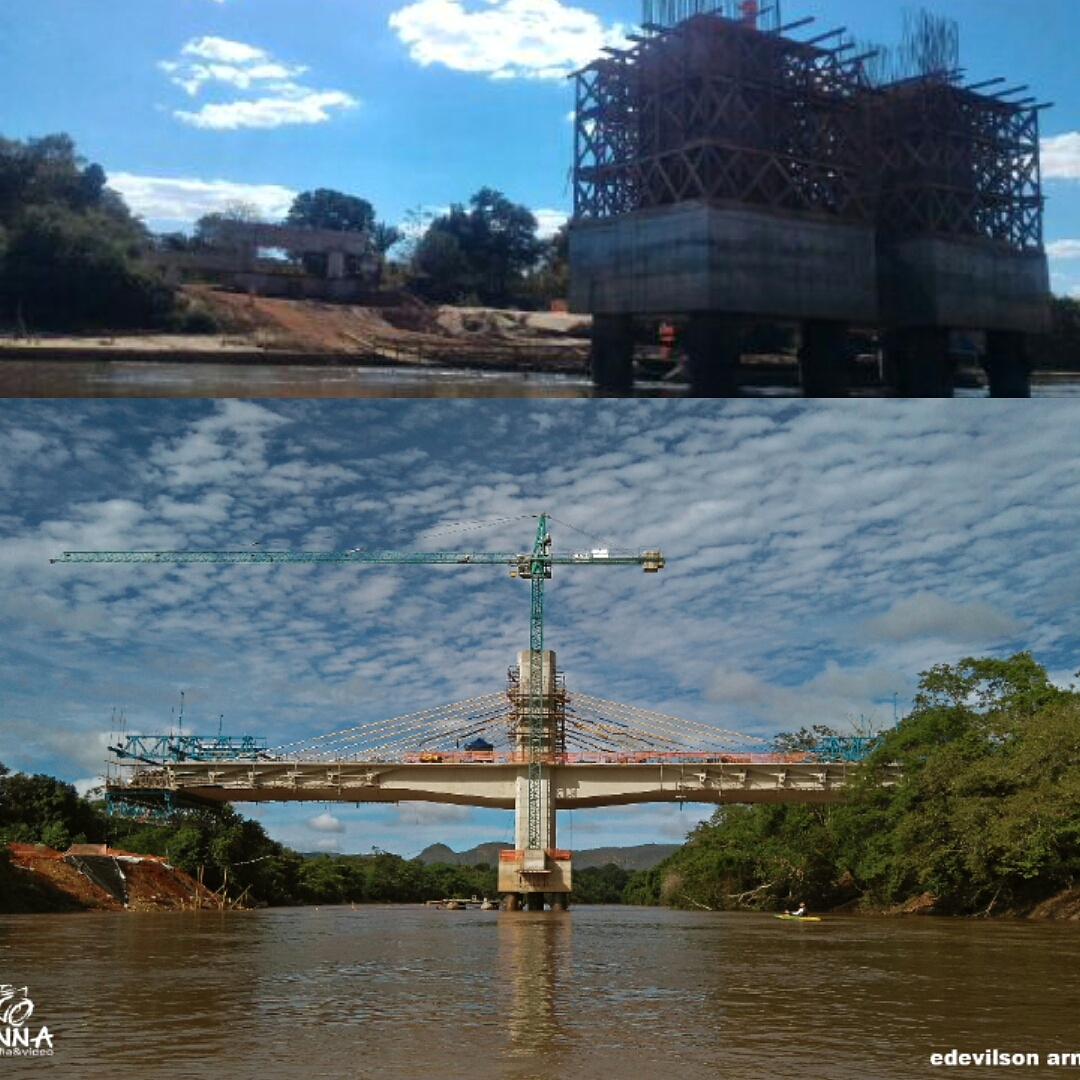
x: 195, y: 104
x: 819, y: 557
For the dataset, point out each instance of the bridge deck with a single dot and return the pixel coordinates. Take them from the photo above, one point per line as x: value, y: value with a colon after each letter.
x: 574, y: 785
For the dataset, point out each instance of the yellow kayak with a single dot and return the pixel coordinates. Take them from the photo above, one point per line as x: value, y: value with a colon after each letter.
x: 800, y: 918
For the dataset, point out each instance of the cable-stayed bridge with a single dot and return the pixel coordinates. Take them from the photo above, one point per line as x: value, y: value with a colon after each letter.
x: 477, y: 753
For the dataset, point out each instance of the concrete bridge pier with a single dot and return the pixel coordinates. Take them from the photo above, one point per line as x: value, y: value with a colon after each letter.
x: 1008, y: 364
x: 612, y: 356
x: 919, y: 362
x: 714, y: 349
x: 535, y: 867
x: 823, y: 359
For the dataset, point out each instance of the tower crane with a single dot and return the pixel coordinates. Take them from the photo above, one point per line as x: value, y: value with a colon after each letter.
x: 534, y: 566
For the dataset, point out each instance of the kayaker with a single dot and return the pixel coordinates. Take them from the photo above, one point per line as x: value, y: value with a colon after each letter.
x: 799, y: 913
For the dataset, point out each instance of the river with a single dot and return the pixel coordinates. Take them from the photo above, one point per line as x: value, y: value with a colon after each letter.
x: 403, y: 993
x: 121, y: 378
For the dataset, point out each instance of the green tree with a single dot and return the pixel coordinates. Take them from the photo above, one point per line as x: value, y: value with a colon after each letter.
x: 481, y: 252
x: 328, y: 209
x: 550, y: 278
x: 39, y: 809
x: 69, y: 246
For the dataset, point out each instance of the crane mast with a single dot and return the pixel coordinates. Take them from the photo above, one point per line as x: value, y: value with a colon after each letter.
x: 534, y: 566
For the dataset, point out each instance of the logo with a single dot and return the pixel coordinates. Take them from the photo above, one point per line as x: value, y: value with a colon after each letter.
x: 16, y: 1039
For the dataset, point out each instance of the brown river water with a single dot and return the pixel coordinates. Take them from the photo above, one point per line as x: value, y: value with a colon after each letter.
x: 399, y: 993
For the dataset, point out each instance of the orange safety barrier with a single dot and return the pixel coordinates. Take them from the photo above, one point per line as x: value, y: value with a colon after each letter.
x: 511, y: 856
x: 599, y: 757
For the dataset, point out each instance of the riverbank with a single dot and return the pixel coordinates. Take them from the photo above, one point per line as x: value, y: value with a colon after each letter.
x: 395, y: 330
x: 36, y: 879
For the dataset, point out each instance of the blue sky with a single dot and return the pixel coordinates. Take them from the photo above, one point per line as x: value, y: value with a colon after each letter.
x: 819, y: 557
x: 413, y: 104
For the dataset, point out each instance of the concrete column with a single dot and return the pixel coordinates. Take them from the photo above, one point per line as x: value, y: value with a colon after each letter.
x: 1008, y: 364
x: 612, y: 357
x: 714, y: 349
x: 560, y: 901
x: 823, y: 359
x: 521, y: 813
x: 920, y: 363
x: 511, y: 901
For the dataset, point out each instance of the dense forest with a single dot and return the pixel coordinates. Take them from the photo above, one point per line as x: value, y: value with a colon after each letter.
x: 984, y: 818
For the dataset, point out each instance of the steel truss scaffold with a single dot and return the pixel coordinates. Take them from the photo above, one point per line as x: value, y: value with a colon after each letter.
x: 715, y: 109
x: 955, y: 162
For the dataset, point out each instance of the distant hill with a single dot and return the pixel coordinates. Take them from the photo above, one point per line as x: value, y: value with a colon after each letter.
x: 642, y: 857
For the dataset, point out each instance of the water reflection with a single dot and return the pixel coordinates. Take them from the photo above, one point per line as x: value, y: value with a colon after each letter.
x: 94, y: 378
x: 181, y: 380
x: 533, y: 963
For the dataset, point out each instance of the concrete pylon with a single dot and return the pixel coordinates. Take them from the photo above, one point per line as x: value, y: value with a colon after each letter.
x: 533, y: 871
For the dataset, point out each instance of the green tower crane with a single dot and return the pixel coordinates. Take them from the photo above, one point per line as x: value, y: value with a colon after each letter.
x: 534, y: 566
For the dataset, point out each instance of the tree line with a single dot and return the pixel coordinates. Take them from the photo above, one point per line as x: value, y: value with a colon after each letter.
x: 985, y: 816
x: 230, y: 852
x: 71, y: 249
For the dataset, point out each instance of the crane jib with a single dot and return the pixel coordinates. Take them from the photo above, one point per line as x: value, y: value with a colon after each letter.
x: 650, y: 561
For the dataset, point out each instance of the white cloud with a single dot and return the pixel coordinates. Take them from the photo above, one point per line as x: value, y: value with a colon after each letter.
x: 185, y: 200
x: 325, y: 822
x: 1061, y: 157
x: 275, y: 97
x: 229, y: 52
x: 925, y: 615
x: 549, y: 222
x: 1064, y: 249
x: 542, y: 39
x: 308, y: 107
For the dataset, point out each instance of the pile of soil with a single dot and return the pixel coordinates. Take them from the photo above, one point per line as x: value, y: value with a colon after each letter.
x: 35, y: 878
